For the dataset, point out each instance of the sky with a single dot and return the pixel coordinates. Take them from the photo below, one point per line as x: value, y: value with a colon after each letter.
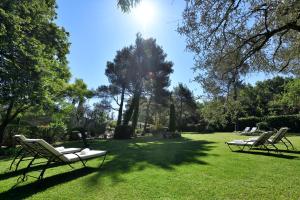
x: 98, y: 28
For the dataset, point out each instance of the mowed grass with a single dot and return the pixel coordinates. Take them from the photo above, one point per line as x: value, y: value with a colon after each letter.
x: 197, y: 166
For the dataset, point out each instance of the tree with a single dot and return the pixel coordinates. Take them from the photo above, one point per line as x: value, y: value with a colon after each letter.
x: 79, y: 93
x: 33, y: 64
x: 288, y: 102
x: 148, y: 68
x: 117, y: 74
x: 268, y: 32
x: 185, y: 103
x: 126, y: 5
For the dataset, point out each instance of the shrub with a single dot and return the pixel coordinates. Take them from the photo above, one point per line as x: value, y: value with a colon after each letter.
x: 290, y: 121
x: 123, y: 132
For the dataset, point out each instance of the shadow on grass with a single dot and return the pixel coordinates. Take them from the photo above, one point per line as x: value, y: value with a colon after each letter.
x: 24, y: 191
x: 277, y: 155
x: 10, y: 174
x: 124, y: 156
x: 140, y: 153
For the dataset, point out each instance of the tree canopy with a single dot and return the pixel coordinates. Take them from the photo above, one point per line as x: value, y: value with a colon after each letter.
x: 266, y: 33
x: 33, y: 64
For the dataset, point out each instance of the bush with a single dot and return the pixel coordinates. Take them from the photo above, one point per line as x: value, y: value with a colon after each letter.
x: 290, y: 121
x: 123, y: 132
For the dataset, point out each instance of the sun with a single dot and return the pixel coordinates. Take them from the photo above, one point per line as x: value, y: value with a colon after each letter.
x: 144, y: 13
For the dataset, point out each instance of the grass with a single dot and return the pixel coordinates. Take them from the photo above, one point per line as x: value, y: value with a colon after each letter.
x: 197, y: 166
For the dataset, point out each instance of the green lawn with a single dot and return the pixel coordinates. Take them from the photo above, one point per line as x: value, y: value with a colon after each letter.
x: 197, y: 166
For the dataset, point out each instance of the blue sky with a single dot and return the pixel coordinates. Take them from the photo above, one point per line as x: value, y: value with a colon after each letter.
x: 98, y: 29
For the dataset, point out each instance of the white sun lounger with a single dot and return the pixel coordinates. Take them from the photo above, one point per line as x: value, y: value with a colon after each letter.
x: 48, y: 152
x: 260, y: 142
x: 278, y: 137
x: 26, y: 151
x: 246, y: 130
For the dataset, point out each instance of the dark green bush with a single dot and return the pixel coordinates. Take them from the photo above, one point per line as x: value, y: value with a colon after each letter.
x: 291, y: 121
x: 123, y: 132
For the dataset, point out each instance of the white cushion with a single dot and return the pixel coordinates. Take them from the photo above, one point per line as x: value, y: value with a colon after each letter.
x: 90, y: 154
x: 69, y: 150
x: 240, y: 142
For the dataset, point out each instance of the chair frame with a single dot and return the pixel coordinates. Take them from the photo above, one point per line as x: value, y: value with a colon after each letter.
x: 280, y: 138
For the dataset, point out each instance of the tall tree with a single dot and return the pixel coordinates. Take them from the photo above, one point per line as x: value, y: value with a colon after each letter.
x: 117, y: 74
x: 184, y: 101
x: 79, y: 93
x: 33, y: 64
x: 148, y: 65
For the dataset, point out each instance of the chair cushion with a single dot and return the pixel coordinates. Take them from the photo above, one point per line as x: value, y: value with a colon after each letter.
x: 67, y: 150
x: 84, y: 156
x: 240, y: 142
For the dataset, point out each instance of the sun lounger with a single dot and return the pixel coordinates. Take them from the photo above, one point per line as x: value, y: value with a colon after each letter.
x: 251, y: 132
x: 246, y: 130
x: 278, y: 137
x: 48, y: 152
x: 260, y: 142
x: 27, y: 153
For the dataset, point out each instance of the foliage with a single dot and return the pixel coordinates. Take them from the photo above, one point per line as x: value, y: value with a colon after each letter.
x: 126, y: 5
x: 289, y: 100
x: 33, y: 64
x: 123, y: 132
x: 259, y: 100
x: 265, y: 32
x: 290, y: 121
x: 185, y: 104
x: 214, y: 115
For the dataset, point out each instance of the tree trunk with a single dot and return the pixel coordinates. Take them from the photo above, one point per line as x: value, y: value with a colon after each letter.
x: 180, y: 116
x: 2, y: 130
x: 135, y: 115
x: 147, y: 114
x: 128, y: 113
x: 121, y: 107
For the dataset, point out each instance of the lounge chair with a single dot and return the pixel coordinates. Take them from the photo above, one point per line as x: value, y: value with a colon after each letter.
x: 251, y: 132
x: 246, y: 130
x: 260, y: 142
x: 27, y: 153
x: 48, y: 152
x: 278, y: 137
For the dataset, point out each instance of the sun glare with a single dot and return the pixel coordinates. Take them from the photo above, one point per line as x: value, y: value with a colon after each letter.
x: 144, y: 13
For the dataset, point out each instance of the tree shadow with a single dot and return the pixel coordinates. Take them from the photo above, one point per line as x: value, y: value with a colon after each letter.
x: 124, y: 156
x: 144, y: 152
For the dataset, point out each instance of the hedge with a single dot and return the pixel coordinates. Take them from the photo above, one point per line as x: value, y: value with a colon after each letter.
x: 290, y: 121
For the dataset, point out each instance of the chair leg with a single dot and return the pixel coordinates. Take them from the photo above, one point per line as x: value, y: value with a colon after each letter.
x: 17, y: 155
x: 27, y: 168
x: 289, y: 143
x: 229, y: 147
x: 103, y: 160
x: 44, y: 169
x: 20, y: 160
